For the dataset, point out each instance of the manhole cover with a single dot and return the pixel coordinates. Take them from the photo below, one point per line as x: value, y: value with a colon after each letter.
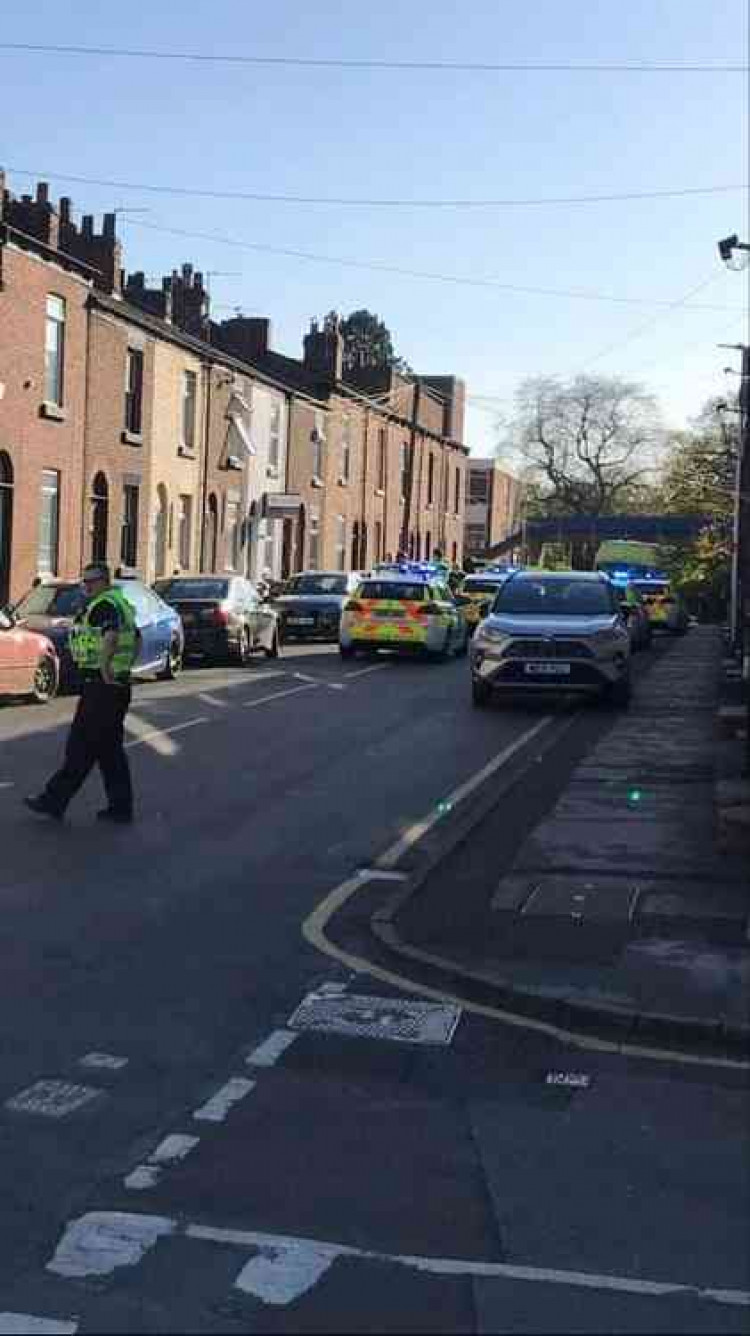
x: 53, y: 1099
x: 378, y: 1018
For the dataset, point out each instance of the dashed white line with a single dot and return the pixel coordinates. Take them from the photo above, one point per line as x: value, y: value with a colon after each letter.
x: 7, y: 784
x: 269, y: 1052
x: 104, y: 1062
x: 278, y: 695
x: 101, y: 1241
x: 169, y: 1151
x: 158, y: 738
x: 362, y: 672
x: 215, y: 1109
x: 209, y: 699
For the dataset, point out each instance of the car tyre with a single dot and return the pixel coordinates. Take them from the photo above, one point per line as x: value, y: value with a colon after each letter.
x: 45, y: 683
x: 173, y: 663
x: 274, y: 649
x: 480, y: 694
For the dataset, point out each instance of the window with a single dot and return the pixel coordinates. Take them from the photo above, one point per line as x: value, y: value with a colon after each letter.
x: 404, y: 470
x: 378, y: 540
x: 129, y: 533
x: 454, y: 552
x: 233, y: 534
x: 99, y: 518
x: 346, y: 453
x: 189, y: 398
x: 476, y: 535
x: 430, y: 478
x: 478, y: 486
x: 134, y: 392
x: 314, y: 548
x: 269, y: 548
x: 274, y: 438
x: 382, y: 439
x: 318, y: 437
x: 457, y: 506
x: 184, y: 528
x: 54, y: 351
x: 49, y: 523
x: 340, y: 542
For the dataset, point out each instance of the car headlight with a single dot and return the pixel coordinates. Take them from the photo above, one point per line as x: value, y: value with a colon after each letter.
x: 489, y: 633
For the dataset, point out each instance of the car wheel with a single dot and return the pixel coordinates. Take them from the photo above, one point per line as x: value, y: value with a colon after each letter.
x: 480, y: 694
x: 275, y: 648
x: 45, y: 682
x: 241, y: 655
x: 173, y: 663
x: 346, y: 651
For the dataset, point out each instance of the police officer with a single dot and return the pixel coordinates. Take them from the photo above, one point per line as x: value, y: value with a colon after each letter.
x: 103, y: 644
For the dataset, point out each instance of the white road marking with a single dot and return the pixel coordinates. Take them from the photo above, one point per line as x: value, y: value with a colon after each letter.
x: 169, y: 1151
x: 53, y: 1099
x: 7, y: 784
x: 277, y: 695
x: 25, y: 1324
x: 158, y: 738
x: 362, y: 672
x: 281, y: 1274
x: 421, y: 828
x: 269, y: 1052
x: 212, y: 700
x: 305, y: 677
x: 217, y: 1107
x: 101, y: 1241
x: 106, y: 1062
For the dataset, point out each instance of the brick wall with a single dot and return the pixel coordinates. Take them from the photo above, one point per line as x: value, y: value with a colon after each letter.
x: 174, y: 472
x: 32, y: 442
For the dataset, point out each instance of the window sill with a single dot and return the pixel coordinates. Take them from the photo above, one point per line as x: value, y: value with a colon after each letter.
x: 317, y: 482
x: 54, y: 412
x: 380, y: 491
x: 272, y: 472
x: 185, y: 452
x: 343, y: 482
x: 131, y: 437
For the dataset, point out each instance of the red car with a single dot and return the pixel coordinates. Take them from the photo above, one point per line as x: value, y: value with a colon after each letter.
x: 28, y: 663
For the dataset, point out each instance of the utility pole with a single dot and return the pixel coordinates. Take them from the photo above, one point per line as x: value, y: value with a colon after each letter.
x: 404, y: 544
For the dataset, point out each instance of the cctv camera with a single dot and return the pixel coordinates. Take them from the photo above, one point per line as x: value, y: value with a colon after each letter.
x: 727, y: 246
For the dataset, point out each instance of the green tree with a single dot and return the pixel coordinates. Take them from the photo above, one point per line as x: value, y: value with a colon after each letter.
x: 368, y: 343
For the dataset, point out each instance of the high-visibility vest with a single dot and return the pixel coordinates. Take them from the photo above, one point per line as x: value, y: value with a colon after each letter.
x: 86, y: 641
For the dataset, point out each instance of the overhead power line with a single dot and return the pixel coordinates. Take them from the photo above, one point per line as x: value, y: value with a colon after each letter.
x: 154, y: 188
x: 428, y: 275
x: 333, y: 62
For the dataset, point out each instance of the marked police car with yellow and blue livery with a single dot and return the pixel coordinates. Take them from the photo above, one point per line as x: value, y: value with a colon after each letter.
x: 406, y: 608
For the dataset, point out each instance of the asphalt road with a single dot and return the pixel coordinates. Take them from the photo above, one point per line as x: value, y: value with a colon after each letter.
x: 176, y: 946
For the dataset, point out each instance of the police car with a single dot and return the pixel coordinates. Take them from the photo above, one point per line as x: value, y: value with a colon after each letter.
x: 477, y: 593
x: 406, y: 608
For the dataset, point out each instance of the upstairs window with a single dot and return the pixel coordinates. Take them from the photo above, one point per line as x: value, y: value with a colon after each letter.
x: 54, y: 351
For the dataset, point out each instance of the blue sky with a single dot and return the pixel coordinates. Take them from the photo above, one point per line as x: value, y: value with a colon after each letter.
x: 419, y: 134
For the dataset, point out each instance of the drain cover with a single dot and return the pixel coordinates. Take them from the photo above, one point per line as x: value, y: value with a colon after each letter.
x: 378, y: 1018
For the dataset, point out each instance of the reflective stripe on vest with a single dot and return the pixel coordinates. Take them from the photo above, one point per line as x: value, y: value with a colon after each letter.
x: 87, y: 641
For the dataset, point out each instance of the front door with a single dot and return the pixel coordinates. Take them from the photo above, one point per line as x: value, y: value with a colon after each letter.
x: 6, y: 526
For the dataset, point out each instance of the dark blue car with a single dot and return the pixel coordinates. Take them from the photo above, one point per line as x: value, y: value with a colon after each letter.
x: 52, y: 607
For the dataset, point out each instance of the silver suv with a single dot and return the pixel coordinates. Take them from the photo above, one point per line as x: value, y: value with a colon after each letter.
x: 553, y: 631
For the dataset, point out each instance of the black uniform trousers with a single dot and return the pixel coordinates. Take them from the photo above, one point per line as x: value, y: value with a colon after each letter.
x: 96, y: 738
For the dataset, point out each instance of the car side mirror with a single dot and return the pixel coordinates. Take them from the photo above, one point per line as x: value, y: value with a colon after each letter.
x: 7, y: 619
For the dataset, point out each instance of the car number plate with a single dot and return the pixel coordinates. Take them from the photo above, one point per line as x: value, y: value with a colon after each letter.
x: 301, y: 621
x: 547, y: 669
x: 188, y: 618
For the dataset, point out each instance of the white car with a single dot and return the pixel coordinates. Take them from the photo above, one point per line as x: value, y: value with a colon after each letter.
x: 553, y: 631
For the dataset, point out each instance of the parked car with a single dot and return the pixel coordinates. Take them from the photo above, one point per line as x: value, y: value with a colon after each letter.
x: 52, y: 607
x: 224, y: 617
x: 407, y: 613
x: 553, y: 631
x: 28, y: 662
x: 310, y: 604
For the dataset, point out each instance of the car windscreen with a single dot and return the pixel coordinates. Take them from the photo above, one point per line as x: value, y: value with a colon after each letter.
x: 398, y: 590
x: 52, y: 601
x: 316, y: 584
x: 208, y: 589
x: 555, y: 597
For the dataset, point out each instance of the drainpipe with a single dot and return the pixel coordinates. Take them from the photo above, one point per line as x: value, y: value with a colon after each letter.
x: 208, y: 377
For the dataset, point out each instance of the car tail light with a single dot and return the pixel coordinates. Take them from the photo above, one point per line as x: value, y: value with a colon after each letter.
x: 220, y: 616
x: 353, y: 606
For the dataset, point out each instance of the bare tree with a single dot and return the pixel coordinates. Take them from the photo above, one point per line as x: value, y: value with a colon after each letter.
x: 587, y: 445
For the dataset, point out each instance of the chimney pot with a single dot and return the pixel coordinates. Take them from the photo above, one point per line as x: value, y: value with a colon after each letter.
x: 42, y: 192
x: 87, y: 226
x: 65, y: 208
x: 110, y: 222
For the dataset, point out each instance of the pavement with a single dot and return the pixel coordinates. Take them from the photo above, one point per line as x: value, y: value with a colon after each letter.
x: 620, y: 912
